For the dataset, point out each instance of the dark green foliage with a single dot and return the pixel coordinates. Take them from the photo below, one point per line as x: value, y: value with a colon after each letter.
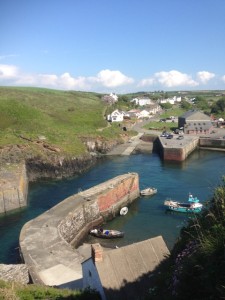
x: 166, y: 105
x: 219, y: 106
x: 185, y: 105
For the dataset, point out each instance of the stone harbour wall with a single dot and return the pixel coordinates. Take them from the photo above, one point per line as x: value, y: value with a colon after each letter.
x: 175, y: 151
x: 48, y: 243
x: 102, y: 202
x: 212, y: 143
x: 13, y: 187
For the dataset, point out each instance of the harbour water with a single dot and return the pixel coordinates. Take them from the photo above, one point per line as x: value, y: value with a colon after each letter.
x: 146, y: 218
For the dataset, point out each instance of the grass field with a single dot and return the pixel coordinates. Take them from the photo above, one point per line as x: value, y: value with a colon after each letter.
x: 61, y: 116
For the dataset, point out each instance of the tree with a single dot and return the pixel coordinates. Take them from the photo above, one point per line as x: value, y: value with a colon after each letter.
x: 201, y: 102
x: 218, y: 106
x: 185, y: 105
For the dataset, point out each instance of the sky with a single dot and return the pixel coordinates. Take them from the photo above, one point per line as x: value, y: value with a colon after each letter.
x: 118, y: 46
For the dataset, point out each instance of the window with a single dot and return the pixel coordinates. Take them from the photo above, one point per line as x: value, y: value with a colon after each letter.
x: 90, y: 273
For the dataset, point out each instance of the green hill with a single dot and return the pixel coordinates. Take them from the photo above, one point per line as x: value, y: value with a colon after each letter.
x: 62, y: 117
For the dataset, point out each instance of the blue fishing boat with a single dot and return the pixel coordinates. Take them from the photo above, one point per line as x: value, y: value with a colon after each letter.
x: 192, y: 206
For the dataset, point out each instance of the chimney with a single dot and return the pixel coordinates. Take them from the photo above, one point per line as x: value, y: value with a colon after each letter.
x: 96, y: 252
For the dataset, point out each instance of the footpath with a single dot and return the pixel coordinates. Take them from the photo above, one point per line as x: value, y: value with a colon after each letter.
x: 135, y: 143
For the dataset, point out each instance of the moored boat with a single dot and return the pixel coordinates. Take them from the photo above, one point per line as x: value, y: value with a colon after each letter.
x: 192, y: 206
x: 148, y: 191
x: 107, y: 233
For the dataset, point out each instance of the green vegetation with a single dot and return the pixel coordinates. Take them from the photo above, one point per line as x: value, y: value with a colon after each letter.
x: 218, y: 107
x: 63, y: 117
x: 16, y: 291
x: 196, y: 268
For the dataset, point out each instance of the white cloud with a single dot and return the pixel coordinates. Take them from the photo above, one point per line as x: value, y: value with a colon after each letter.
x: 112, y: 79
x: 205, y: 76
x: 104, y: 79
x: 8, y: 71
x: 170, y: 79
x: 175, y: 79
x: 223, y: 78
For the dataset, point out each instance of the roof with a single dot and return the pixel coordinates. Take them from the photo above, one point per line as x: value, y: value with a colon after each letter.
x: 125, y: 272
x: 195, y: 115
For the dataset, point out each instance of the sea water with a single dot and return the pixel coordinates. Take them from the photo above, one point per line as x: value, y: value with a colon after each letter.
x: 147, y: 217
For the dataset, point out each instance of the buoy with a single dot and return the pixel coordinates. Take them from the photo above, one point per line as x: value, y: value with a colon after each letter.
x: 123, y: 211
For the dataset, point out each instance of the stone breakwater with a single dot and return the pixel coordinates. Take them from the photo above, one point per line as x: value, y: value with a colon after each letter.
x: 13, y: 187
x: 47, y: 242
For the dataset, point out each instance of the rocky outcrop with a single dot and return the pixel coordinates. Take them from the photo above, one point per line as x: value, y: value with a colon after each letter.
x: 100, y: 145
x: 18, y: 273
x: 58, y: 167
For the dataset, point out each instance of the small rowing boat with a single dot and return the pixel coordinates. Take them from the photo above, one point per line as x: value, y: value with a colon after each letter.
x: 107, y: 233
x: 148, y: 191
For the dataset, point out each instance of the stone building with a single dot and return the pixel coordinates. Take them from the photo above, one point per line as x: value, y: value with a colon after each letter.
x: 195, y: 122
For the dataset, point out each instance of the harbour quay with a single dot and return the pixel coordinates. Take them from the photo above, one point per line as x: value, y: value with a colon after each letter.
x: 176, y: 149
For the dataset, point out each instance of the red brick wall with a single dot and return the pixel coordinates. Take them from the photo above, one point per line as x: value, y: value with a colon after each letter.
x: 117, y: 193
x: 176, y: 154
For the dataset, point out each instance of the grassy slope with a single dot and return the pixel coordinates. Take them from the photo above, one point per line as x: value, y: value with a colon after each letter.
x: 61, y: 116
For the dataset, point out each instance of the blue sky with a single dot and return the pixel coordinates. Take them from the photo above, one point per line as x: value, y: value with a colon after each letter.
x: 116, y: 46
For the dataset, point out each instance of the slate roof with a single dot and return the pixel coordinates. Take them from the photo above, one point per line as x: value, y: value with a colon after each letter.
x: 195, y: 115
x: 125, y: 272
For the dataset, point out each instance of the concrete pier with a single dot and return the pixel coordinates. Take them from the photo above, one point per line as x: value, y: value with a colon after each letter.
x: 177, y: 150
x: 47, y: 243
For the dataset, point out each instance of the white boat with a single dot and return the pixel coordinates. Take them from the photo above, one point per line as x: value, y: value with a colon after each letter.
x: 148, y: 191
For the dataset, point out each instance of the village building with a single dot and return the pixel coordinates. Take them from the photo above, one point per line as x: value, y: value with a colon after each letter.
x: 153, y: 108
x: 195, y: 122
x: 171, y: 101
x: 110, y: 99
x: 117, y: 116
x: 142, y: 101
x: 133, y: 113
x: 126, y: 272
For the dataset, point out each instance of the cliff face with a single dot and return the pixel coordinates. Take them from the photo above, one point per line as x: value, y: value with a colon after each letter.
x: 58, y: 167
x: 14, y: 175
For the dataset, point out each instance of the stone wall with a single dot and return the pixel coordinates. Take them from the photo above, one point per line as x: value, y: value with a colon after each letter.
x: 212, y: 143
x: 175, y: 152
x: 13, y: 187
x: 102, y: 202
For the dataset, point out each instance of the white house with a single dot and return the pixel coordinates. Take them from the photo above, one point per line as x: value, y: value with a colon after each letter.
x: 126, y: 272
x: 153, y: 109
x: 170, y: 100
x: 143, y: 114
x: 114, y: 96
x: 142, y: 101
x: 116, y: 116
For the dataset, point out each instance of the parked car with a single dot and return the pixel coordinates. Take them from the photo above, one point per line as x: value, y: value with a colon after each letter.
x: 169, y: 136
x: 164, y: 134
x: 180, y: 137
